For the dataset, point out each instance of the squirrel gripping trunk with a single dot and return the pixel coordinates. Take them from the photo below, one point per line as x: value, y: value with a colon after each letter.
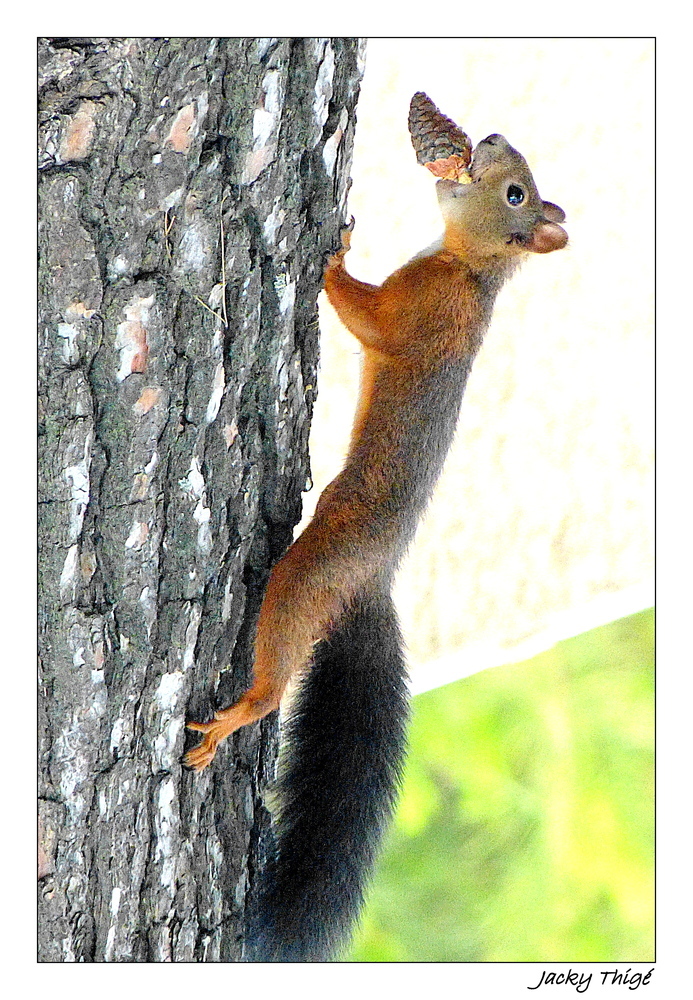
x: 327, y: 615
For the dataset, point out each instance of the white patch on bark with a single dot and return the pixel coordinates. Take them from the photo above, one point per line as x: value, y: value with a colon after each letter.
x: 193, y: 248
x: 228, y: 597
x: 148, y: 603
x: 262, y: 46
x: 215, y: 866
x: 165, y: 826
x: 191, y: 636
x: 139, y: 533
x: 117, y: 267
x: 116, y: 734
x: 323, y: 87
x: 170, y: 701
x: 217, y: 392
x: 68, y: 577
x: 266, y: 118
x: 110, y: 937
x: 202, y: 107
x: 287, y: 297
x: 115, y: 900
x: 331, y: 147
x: 172, y: 199
x: 194, y: 483
x: 68, y: 334
x: 273, y: 223
x: 78, y: 477
x: 266, y: 121
x: 168, y: 691
x: 203, y: 515
x: 98, y: 705
x: 215, y: 298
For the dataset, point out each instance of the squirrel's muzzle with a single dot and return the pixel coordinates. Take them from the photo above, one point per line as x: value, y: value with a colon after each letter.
x: 547, y: 236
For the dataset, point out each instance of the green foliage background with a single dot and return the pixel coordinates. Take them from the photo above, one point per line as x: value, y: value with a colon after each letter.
x: 525, y: 831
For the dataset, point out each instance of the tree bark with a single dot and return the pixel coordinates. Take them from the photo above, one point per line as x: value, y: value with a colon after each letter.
x: 190, y: 192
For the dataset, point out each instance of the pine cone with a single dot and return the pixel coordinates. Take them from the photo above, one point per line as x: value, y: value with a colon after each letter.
x: 440, y: 145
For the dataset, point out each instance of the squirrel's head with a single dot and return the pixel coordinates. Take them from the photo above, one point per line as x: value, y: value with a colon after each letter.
x: 499, y: 213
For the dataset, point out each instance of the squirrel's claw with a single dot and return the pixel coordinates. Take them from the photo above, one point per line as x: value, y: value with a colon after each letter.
x: 215, y: 732
x: 345, y: 234
x: 337, y: 258
x: 201, y: 756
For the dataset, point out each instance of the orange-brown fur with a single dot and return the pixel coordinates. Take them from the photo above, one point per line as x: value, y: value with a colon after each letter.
x: 430, y: 313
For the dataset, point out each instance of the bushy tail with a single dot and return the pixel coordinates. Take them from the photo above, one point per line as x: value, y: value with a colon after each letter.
x: 339, y: 773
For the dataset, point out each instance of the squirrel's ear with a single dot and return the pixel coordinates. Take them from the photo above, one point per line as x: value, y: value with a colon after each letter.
x: 546, y: 237
x: 448, y: 192
x: 554, y: 213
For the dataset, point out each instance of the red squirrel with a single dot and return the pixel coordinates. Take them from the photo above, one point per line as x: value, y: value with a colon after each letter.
x: 327, y: 614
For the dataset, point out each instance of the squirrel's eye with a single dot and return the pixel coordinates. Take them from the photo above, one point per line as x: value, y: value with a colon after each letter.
x: 515, y: 195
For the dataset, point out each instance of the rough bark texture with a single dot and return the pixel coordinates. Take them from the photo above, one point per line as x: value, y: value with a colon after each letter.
x: 190, y: 192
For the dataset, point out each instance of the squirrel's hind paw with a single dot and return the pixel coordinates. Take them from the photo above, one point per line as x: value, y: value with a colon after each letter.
x: 202, y: 755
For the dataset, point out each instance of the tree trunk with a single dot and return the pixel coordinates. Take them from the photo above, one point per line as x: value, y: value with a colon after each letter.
x: 191, y: 190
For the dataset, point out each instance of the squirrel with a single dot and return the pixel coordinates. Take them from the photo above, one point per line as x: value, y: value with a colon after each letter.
x: 327, y: 614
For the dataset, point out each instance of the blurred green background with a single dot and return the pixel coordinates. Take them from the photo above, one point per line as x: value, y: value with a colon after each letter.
x: 525, y: 831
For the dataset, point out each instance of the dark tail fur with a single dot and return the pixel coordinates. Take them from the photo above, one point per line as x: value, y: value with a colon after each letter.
x: 339, y: 773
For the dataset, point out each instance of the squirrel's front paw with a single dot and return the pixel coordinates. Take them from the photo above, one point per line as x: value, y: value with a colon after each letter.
x: 345, y: 234
x: 337, y: 259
